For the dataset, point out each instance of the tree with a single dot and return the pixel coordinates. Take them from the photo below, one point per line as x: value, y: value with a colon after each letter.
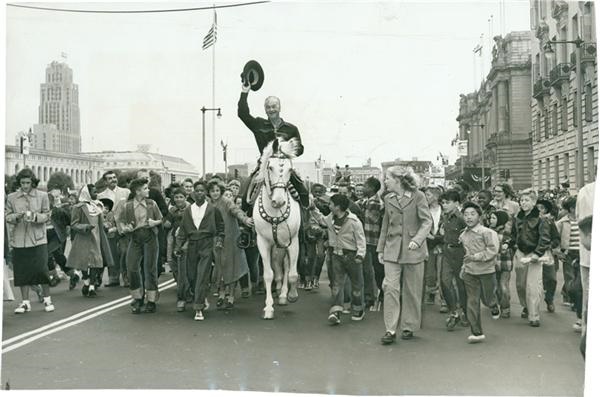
x: 60, y: 180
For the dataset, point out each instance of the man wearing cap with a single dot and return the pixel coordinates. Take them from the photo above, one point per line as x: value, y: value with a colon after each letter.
x: 265, y: 131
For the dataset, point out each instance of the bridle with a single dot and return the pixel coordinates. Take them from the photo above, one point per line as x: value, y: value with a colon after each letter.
x: 275, y: 221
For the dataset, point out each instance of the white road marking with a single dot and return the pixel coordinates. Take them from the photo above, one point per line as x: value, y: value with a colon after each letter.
x: 72, y: 320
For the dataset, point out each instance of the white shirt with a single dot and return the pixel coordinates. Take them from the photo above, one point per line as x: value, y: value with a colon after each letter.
x: 436, y: 213
x: 198, y: 213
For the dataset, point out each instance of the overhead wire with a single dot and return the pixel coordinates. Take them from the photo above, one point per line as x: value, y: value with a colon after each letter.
x: 137, y: 11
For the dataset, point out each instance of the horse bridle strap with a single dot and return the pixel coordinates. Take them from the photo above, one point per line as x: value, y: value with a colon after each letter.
x: 275, y: 220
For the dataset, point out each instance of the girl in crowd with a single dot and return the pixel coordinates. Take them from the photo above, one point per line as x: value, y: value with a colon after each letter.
x: 230, y: 261
x: 27, y: 211
x: 90, y: 249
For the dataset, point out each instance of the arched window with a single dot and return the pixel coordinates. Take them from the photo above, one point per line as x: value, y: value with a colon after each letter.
x: 16, y: 168
x: 45, y: 174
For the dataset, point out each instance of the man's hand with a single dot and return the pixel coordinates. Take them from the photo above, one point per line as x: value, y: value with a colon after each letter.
x: 245, y: 87
x: 358, y: 260
x: 128, y: 228
x: 152, y: 222
x: 219, y: 243
x: 249, y: 222
x: 413, y: 246
x: 535, y: 258
x: 178, y: 252
x: 462, y: 273
x: 380, y: 257
x: 167, y: 225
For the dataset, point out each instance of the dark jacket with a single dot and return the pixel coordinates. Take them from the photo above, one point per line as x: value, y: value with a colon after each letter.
x: 156, y: 195
x: 531, y: 233
x: 211, y: 226
x: 263, y: 130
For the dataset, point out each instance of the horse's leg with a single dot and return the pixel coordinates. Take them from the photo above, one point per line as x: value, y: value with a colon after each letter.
x: 293, y: 271
x: 277, y: 265
x: 286, y: 269
x: 265, y: 252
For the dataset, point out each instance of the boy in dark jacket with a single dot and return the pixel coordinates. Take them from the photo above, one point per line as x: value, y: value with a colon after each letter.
x: 201, y: 223
x: 532, y: 241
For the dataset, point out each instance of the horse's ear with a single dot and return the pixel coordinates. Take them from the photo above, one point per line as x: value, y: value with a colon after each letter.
x: 290, y: 148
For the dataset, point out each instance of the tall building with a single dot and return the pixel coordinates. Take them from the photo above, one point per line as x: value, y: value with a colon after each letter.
x: 59, y: 105
x: 495, y: 120
x: 554, y: 110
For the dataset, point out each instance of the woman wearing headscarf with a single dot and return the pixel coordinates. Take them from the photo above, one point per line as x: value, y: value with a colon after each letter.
x: 26, y: 212
x: 230, y: 260
x: 89, y: 249
x: 402, y: 249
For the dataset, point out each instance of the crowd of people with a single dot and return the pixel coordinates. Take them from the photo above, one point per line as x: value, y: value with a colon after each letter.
x: 393, y: 247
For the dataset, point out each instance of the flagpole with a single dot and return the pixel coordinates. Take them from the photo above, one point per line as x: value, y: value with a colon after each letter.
x: 213, y: 90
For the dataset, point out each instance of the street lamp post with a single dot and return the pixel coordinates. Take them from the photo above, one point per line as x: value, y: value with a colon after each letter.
x: 482, y: 152
x: 204, y: 109
x: 579, y: 76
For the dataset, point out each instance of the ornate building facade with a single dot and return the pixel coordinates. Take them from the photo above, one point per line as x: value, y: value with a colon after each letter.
x: 554, y: 109
x: 495, y: 120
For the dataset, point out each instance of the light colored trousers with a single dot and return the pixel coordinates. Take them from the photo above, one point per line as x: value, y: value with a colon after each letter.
x: 530, y: 288
x: 409, y: 303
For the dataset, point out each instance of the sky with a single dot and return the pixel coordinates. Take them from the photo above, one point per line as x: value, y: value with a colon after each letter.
x: 360, y: 80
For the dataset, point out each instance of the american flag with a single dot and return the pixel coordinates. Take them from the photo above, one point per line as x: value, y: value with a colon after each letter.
x: 211, y: 36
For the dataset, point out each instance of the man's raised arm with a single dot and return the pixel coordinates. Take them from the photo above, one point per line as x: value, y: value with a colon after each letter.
x: 244, y: 111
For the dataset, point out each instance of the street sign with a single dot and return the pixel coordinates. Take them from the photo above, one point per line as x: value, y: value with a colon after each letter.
x: 462, y: 147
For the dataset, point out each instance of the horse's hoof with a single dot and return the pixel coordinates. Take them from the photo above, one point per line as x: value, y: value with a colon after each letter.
x: 268, y: 315
x: 282, y: 301
x: 292, y: 299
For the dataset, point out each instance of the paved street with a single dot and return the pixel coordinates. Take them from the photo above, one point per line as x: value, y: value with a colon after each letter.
x: 296, y: 352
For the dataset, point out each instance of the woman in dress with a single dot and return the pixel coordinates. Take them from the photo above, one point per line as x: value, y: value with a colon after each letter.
x: 90, y: 247
x: 230, y: 261
x: 27, y: 211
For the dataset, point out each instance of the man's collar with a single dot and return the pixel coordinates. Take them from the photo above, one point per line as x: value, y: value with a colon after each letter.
x: 201, y: 205
x: 139, y: 202
x: 31, y: 193
x: 477, y: 228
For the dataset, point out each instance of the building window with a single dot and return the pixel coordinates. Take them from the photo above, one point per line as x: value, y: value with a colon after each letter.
x: 546, y: 124
x: 575, y: 107
x: 564, y: 114
x: 548, y: 172
x: 555, y: 119
x: 590, y: 164
x: 538, y: 127
x: 588, y: 103
x: 540, y: 175
x: 566, y: 165
x: 556, y: 171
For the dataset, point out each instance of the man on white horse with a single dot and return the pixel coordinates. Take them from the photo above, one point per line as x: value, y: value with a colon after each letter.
x: 265, y: 131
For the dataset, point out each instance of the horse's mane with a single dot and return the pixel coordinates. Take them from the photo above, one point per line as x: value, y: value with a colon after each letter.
x: 286, y: 148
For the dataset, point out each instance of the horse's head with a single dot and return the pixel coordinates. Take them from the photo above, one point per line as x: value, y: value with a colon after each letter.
x: 277, y: 168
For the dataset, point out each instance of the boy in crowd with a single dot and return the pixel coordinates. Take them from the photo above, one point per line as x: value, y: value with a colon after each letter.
x: 451, y: 227
x: 531, y: 235
x: 171, y: 224
x: 434, y: 240
x: 372, y: 208
x: 202, y: 228
x: 347, y: 246
x: 479, y: 269
x: 140, y: 218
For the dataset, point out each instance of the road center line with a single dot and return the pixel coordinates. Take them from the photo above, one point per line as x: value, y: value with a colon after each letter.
x: 73, y: 317
x: 64, y: 326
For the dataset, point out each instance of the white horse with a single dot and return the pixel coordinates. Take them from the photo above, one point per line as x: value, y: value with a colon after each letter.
x: 277, y: 222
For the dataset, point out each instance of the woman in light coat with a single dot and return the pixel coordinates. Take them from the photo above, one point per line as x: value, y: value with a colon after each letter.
x: 230, y: 260
x: 90, y: 248
x: 402, y: 249
x: 26, y: 212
